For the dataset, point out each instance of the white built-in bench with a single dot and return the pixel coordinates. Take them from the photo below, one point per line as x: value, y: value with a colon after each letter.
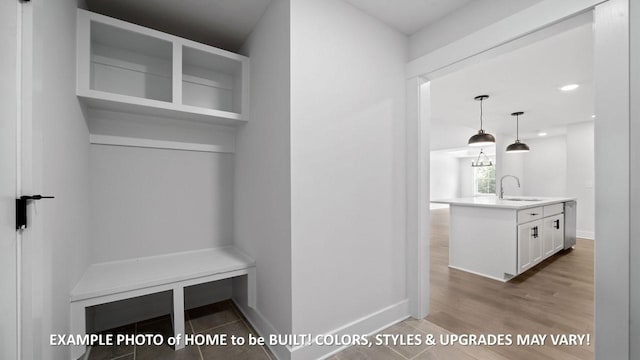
x: 118, y: 280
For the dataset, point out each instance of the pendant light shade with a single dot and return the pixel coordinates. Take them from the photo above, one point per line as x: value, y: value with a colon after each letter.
x: 481, y: 138
x: 517, y: 146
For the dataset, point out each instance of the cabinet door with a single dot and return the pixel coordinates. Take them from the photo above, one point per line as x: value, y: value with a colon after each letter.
x: 548, y: 236
x: 536, y: 242
x: 553, y: 235
x: 558, y: 233
x: 529, y: 245
x: 524, y: 247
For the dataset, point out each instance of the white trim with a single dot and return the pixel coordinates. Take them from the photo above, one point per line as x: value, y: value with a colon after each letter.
x: 264, y: 328
x: 18, y: 174
x: 528, y: 21
x: 571, y: 23
x: 418, y: 201
x: 525, y: 22
x: 368, y: 325
x: 157, y: 144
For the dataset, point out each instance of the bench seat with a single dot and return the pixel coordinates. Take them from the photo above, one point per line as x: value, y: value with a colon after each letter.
x: 118, y: 280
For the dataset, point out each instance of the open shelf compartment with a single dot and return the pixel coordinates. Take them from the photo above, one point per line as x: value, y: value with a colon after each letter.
x: 211, y: 81
x: 129, y: 63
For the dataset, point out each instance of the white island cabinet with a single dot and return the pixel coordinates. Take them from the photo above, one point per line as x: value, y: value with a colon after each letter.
x: 502, y: 238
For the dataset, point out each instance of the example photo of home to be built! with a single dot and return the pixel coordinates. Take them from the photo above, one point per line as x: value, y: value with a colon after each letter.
x: 320, y: 179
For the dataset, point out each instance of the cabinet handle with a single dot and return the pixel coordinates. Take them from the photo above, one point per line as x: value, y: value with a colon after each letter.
x: 533, y: 214
x: 534, y: 232
x: 556, y: 224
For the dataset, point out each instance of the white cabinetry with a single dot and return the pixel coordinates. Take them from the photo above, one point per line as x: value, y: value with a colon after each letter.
x: 539, y: 239
x: 529, y: 245
x: 126, y: 67
x: 502, y: 238
x: 553, y: 234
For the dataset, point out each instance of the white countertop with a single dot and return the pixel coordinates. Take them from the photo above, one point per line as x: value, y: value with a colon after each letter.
x: 507, y: 203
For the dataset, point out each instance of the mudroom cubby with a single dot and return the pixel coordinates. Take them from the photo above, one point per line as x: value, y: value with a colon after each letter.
x: 162, y: 113
x: 127, y: 67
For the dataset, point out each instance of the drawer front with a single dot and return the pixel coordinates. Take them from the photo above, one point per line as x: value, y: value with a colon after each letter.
x: 531, y: 214
x: 553, y: 209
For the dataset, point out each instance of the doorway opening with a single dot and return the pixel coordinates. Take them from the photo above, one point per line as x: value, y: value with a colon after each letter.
x: 558, y: 126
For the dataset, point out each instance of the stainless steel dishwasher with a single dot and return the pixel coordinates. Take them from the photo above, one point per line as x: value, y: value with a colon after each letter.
x: 570, y: 208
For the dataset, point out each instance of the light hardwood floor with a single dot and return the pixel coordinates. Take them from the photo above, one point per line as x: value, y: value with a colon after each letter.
x: 555, y: 297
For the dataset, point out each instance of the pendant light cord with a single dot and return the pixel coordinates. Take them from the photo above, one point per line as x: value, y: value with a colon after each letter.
x: 481, y: 100
x: 517, y: 127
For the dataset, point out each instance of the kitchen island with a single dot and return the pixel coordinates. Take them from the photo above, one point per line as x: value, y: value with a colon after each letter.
x: 502, y: 238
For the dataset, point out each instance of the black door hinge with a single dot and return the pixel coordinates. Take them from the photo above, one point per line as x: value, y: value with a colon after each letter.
x: 21, y: 209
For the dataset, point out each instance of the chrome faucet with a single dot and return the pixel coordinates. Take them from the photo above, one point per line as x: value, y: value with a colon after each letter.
x: 502, y: 186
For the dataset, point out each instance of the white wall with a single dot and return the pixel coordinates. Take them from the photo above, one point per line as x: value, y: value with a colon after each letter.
x: 465, y: 171
x: 445, y: 177
x: 347, y: 165
x: 557, y: 166
x: 545, y: 167
x: 262, y: 221
x: 8, y: 123
x: 464, y: 21
x: 148, y: 202
x: 634, y: 283
x: 54, y: 262
x: 447, y: 135
x: 612, y: 160
x: 509, y: 164
x: 581, y: 174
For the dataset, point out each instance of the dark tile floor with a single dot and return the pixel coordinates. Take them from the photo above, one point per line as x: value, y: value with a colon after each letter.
x: 224, y: 318
x: 219, y: 318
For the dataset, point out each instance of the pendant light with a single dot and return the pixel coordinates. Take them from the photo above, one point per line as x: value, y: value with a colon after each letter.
x: 517, y: 147
x: 481, y: 138
x: 481, y: 161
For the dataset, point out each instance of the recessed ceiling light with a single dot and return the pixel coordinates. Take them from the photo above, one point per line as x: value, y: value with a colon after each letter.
x: 593, y: 116
x: 542, y: 133
x: 570, y: 87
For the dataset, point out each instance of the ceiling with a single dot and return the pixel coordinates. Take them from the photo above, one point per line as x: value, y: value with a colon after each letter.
x: 528, y: 80
x: 408, y: 16
x: 227, y: 23
x: 221, y: 23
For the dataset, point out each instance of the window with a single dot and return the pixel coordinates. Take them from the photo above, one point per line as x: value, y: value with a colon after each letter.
x: 484, y: 180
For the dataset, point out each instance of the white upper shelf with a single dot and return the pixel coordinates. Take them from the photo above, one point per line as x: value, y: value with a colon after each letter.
x: 127, y: 67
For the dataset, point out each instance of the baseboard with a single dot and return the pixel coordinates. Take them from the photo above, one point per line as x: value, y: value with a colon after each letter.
x: 263, y: 327
x: 368, y: 325
x: 589, y: 235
